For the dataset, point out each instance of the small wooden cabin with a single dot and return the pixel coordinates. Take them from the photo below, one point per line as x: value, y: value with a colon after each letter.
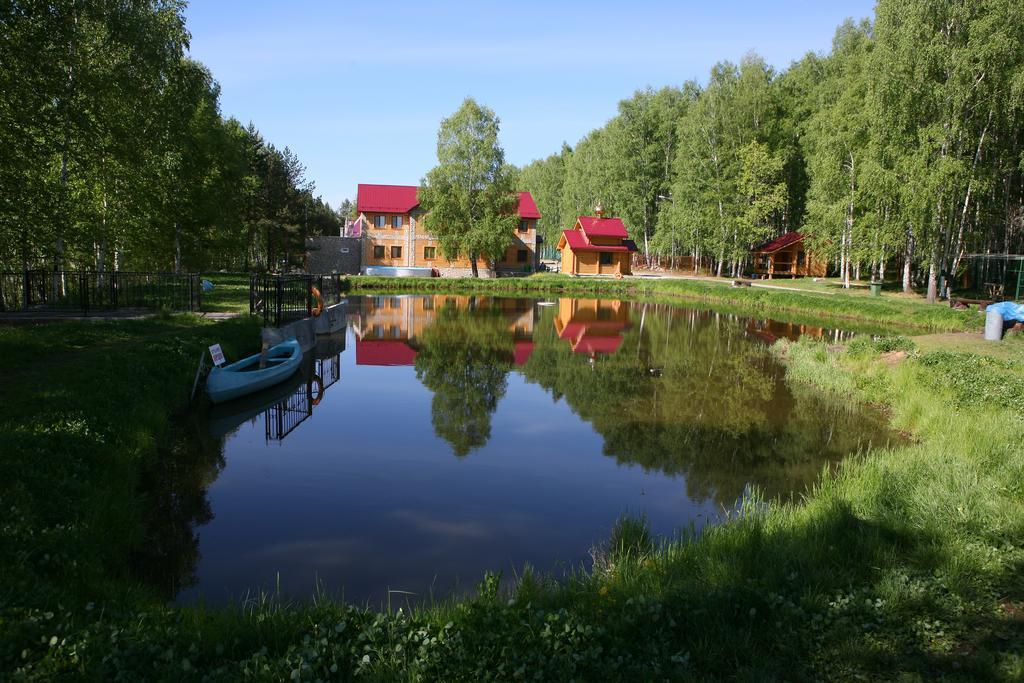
x: 787, y: 256
x: 592, y: 326
x: 596, y: 246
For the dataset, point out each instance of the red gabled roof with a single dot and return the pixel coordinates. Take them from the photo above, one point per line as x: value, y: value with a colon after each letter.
x: 384, y: 352
x: 780, y: 242
x: 523, y: 351
x: 602, y: 227
x: 591, y: 344
x: 577, y: 241
x: 527, y: 207
x: 386, y: 198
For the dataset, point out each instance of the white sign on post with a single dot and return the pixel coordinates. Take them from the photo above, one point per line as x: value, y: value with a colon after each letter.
x: 217, y: 355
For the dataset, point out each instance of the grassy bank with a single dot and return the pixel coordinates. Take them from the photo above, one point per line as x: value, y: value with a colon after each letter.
x: 909, y: 314
x: 903, y: 564
x: 86, y: 407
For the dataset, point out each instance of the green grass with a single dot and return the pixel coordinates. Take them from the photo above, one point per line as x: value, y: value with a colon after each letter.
x: 842, y: 308
x: 230, y: 293
x: 903, y: 564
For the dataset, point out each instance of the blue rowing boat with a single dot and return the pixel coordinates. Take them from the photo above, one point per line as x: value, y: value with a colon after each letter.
x: 246, y: 376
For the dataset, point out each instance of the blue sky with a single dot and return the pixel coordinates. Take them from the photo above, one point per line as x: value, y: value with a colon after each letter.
x: 357, y: 89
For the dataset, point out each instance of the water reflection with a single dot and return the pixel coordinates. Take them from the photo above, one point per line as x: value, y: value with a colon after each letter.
x: 573, y: 413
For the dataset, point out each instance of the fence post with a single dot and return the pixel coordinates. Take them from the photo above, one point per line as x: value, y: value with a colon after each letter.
x: 83, y: 293
x: 27, y: 290
x: 279, y: 297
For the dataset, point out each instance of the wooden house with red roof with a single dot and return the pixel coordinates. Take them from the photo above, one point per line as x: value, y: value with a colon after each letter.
x: 592, y: 326
x: 787, y: 256
x: 387, y: 328
x: 596, y: 246
x: 393, y: 233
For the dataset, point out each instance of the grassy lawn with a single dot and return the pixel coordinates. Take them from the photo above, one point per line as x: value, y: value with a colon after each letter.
x: 904, y: 564
x: 230, y: 293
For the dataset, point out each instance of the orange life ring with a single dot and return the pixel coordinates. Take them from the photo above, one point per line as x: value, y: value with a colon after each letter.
x: 318, y: 308
x: 315, y: 399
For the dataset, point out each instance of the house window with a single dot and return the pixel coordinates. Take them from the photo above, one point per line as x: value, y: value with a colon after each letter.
x: 394, y: 332
x: 800, y: 258
x: 378, y: 221
x: 429, y: 252
x: 522, y: 255
x: 524, y: 225
x: 396, y: 221
x: 378, y: 330
x: 378, y: 251
x: 606, y: 258
x: 396, y: 252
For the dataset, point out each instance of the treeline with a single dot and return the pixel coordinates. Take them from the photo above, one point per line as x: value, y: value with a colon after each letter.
x: 116, y: 156
x: 899, y: 152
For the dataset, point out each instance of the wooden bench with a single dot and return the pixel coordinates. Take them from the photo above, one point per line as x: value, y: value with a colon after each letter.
x: 962, y: 303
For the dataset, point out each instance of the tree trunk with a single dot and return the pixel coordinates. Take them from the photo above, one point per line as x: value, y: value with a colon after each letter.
x: 933, y: 274
x: 177, y: 248
x: 473, y: 266
x: 908, y: 259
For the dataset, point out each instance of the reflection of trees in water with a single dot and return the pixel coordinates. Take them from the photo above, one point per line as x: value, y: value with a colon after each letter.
x: 688, y: 394
x: 464, y: 358
x: 173, y: 490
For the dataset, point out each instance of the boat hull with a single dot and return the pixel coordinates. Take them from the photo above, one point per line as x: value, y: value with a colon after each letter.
x: 245, y: 377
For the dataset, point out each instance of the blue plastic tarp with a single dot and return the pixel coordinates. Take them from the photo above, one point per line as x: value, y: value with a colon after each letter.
x: 1008, y: 309
x: 207, y: 286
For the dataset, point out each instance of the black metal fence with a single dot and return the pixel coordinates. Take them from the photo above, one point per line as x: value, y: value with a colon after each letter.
x: 994, y: 276
x: 283, y: 298
x: 87, y: 292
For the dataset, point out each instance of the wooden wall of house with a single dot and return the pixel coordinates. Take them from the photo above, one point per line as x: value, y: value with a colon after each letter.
x: 589, y: 263
x: 786, y: 262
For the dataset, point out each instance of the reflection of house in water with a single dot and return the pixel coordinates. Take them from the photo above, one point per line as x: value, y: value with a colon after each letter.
x: 388, y: 326
x: 286, y: 405
x: 771, y: 331
x: 592, y: 326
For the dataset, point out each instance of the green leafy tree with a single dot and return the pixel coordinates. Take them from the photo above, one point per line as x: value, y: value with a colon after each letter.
x: 464, y: 358
x: 469, y: 196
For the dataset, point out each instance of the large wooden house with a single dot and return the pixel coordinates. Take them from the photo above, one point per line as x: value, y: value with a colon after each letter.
x: 387, y: 328
x: 393, y: 233
x: 787, y: 256
x: 596, y: 246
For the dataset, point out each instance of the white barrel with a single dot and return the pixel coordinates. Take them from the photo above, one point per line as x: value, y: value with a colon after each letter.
x: 993, y: 326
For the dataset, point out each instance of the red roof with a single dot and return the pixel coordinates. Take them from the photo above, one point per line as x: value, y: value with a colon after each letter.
x: 523, y: 351
x: 386, y: 198
x: 527, y: 207
x: 403, y: 199
x: 602, y: 227
x: 581, y: 328
x: 780, y: 242
x: 578, y: 242
x: 384, y: 352
x: 590, y: 344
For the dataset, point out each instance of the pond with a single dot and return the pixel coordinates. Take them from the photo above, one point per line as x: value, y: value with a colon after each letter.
x: 442, y: 436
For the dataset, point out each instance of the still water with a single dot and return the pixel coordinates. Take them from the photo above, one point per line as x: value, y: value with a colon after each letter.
x: 438, y: 437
